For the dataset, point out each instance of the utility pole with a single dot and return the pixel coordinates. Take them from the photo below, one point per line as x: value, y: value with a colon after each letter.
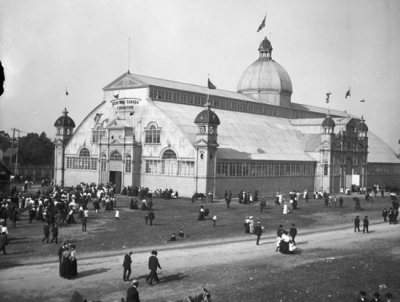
x: 16, y: 158
x: 12, y: 148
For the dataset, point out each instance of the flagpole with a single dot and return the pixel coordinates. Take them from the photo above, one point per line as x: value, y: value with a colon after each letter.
x: 208, y: 89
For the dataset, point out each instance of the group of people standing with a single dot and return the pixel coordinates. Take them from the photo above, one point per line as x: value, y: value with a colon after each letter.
x: 285, y: 240
x: 67, y: 260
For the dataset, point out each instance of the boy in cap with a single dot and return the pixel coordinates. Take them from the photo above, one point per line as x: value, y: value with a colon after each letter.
x: 376, y: 297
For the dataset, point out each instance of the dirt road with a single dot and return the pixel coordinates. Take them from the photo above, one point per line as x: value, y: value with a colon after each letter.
x: 100, y: 274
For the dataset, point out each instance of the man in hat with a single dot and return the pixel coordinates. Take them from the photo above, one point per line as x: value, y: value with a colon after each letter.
x: 46, y: 232
x: 376, y: 297
x: 388, y: 297
x: 54, y: 233
x: 362, y: 297
x: 366, y: 224
x: 153, y: 265
x: 357, y: 224
x: 132, y: 294
x: 127, y: 266
x: 258, y: 231
x: 151, y: 217
x: 293, y: 232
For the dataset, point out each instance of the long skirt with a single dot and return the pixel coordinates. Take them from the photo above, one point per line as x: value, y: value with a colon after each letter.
x: 284, y: 247
x: 74, y: 268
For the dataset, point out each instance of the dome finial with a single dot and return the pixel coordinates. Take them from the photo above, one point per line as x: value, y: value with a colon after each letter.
x: 65, y: 112
x: 265, y: 49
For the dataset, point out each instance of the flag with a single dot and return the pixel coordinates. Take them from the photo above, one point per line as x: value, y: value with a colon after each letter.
x: 116, y: 94
x: 348, y: 93
x: 211, y: 85
x: 131, y: 113
x: 327, y: 96
x: 262, y: 25
x: 66, y: 91
x: 362, y: 101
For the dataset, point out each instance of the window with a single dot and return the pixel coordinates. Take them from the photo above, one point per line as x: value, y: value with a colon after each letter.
x: 103, y: 163
x: 98, y: 134
x: 128, y: 164
x: 152, y: 135
x: 169, y: 154
x: 116, y: 156
x: 84, y: 153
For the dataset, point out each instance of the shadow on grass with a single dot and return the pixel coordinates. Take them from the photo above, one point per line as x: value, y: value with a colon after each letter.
x: 301, y: 242
x: 91, y: 272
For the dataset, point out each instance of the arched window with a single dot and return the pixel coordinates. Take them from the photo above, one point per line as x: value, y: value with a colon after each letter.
x: 152, y: 135
x: 84, y: 159
x: 116, y: 156
x: 128, y: 164
x: 169, y: 154
x: 169, y: 162
x: 84, y: 152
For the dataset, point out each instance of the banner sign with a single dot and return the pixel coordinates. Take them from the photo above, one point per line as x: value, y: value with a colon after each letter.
x: 127, y: 104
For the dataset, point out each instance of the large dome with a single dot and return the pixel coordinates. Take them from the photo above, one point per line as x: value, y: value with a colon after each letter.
x: 266, y: 80
x: 64, y: 120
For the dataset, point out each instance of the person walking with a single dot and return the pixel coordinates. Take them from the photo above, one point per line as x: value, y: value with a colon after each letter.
x: 214, y: 220
x: 151, y: 217
x: 384, y: 214
x: 366, y: 224
x: 132, y: 295
x: 54, y: 233
x: 258, y: 232
x: 127, y: 266
x: 279, y: 237
x: 293, y: 233
x: 357, y: 224
x: 153, y: 265
x: 262, y: 205
x: 46, y: 232
x: 3, y: 243
x: 341, y: 202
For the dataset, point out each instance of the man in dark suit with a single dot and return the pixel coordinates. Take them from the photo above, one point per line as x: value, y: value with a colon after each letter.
x: 151, y: 217
x: 132, y: 294
x: 366, y: 224
x: 362, y: 297
x: 293, y: 232
x: 127, y: 266
x: 258, y: 232
x: 46, y: 232
x: 153, y: 265
x: 357, y: 224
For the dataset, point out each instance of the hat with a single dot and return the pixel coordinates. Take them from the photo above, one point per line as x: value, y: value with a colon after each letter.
x: 258, y: 222
x: 376, y: 294
x: 135, y: 281
x: 389, y: 296
x: 130, y: 253
x: 363, y: 293
x: 251, y: 217
x: 154, y: 253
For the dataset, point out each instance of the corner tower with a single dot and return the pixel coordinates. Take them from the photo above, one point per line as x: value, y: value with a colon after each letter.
x: 206, y: 146
x: 64, y: 131
x: 326, y: 156
x: 266, y: 80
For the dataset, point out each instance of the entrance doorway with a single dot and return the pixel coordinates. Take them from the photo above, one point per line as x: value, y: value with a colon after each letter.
x: 116, y: 178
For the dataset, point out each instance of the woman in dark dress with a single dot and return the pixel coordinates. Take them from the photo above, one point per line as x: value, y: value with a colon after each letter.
x: 96, y: 206
x: 201, y: 214
x: 131, y: 204
x: 65, y: 270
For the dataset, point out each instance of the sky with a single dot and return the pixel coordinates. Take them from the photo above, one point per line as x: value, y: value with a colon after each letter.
x: 330, y: 45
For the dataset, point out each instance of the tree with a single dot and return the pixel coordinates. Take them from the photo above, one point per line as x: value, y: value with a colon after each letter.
x: 37, y: 150
x: 5, y: 141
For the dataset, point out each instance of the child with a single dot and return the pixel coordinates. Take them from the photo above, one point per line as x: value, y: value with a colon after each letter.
x: 292, y: 246
x: 117, y: 214
x: 215, y: 219
x: 181, y: 234
x: 146, y: 218
x: 173, y: 238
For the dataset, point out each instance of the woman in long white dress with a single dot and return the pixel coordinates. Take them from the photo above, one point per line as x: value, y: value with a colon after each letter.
x: 285, y: 208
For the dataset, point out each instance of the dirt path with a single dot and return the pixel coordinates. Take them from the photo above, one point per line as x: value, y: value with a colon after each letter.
x: 100, y: 274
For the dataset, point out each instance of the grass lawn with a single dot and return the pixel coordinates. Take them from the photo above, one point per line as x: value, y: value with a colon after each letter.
x: 105, y: 233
